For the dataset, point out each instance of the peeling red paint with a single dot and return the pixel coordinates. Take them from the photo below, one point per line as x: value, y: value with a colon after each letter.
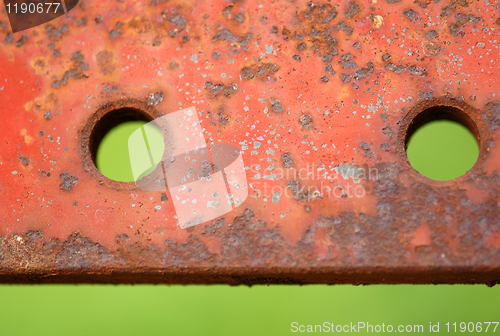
x: 422, y: 236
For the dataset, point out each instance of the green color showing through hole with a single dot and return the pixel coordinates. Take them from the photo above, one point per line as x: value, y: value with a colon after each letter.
x: 114, y: 154
x: 442, y: 150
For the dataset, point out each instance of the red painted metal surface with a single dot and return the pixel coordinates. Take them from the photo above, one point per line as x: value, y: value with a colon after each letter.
x: 306, y: 90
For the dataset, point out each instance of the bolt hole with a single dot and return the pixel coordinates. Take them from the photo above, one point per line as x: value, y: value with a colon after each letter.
x: 442, y: 143
x: 109, y: 145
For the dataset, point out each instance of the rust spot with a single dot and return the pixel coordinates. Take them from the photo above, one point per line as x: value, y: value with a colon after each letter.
x: 301, y: 46
x: 342, y: 26
x: 122, y: 238
x: 80, y: 253
x: 177, y: 20
x: 55, y: 34
x: 140, y: 25
x: 431, y: 35
x: 455, y: 28
x: 300, y: 193
x: 286, y: 33
x: 76, y: 72
x: 216, y: 54
x: 8, y: 38
x: 431, y: 49
x: 68, y: 181
x: 306, y: 121
x: 411, y: 14
x: 347, y: 62
x: 319, y: 14
x: 367, y: 150
x: 492, y: 114
x: 240, y: 18
x: 345, y: 78
x: 154, y: 98
x: 106, y: 61
x: 429, y: 94
x: 215, y: 90
x: 39, y: 63
x: 276, y: 106
x: 173, y: 66
x: 363, y: 72
x: 116, y: 32
x: 22, y: 40
x: 417, y: 70
x: 82, y: 22
x: 351, y: 10
x: 47, y: 115
x: 262, y: 71
x: 398, y: 69
x: 226, y: 35
x: 43, y: 173
x: 24, y: 160
x: 287, y: 160
x: 220, y: 116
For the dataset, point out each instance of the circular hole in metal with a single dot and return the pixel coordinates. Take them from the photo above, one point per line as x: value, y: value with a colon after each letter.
x: 442, y: 142
x: 109, y: 144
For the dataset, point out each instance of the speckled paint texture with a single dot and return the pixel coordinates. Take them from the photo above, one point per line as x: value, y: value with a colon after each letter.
x: 318, y: 97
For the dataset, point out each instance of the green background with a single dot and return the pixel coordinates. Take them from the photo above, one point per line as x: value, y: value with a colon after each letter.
x: 257, y: 310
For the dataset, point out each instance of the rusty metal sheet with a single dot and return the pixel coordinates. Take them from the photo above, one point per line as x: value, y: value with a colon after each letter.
x: 319, y: 97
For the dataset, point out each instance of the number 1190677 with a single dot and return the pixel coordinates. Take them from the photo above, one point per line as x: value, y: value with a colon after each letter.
x: 33, y: 7
x: 471, y: 326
